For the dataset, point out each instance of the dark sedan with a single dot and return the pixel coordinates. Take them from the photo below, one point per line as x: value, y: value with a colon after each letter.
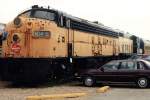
x: 122, y: 71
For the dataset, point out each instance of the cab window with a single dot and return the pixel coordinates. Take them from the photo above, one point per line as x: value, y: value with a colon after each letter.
x: 27, y: 13
x: 43, y: 15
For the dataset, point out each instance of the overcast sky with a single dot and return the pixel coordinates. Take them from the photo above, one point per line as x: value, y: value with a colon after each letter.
x: 131, y: 16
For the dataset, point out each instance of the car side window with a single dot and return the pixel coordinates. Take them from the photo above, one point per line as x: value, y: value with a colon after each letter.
x: 111, y: 66
x: 123, y: 65
x: 140, y: 65
x: 147, y: 58
x: 128, y: 65
x: 131, y: 65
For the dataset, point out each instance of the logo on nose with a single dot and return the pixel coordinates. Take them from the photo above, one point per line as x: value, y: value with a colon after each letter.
x: 16, y: 48
x: 15, y: 45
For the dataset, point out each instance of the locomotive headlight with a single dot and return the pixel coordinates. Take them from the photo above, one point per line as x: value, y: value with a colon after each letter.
x: 17, y: 22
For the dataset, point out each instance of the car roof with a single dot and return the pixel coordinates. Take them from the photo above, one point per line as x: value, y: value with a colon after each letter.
x: 127, y: 60
x: 141, y: 55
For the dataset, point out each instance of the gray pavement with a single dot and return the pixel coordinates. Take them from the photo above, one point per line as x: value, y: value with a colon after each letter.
x: 116, y: 92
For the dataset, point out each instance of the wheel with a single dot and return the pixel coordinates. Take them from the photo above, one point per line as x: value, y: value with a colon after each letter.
x: 89, y: 81
x: 142, y: 82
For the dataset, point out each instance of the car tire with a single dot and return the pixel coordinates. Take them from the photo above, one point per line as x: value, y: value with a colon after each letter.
x: 142, y: 82
x: 88, y: 81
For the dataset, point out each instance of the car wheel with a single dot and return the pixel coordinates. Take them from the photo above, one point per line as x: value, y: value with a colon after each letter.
x: 89, y: 81
x: 142, y: 82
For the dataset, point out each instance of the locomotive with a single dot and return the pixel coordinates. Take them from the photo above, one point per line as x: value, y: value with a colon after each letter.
x: 2, y: 26
x: 43, y: 43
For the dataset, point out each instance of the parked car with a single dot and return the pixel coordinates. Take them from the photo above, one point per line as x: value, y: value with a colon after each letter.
x: 124, y: 71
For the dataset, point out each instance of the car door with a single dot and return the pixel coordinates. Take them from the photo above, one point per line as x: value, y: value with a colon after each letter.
x: 127, y: 71
x: 109, y: 71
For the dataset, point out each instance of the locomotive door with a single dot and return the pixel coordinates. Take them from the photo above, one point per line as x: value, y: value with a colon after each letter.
x: 114, y: 47
x: 99, y: 46
x: 70, y: 42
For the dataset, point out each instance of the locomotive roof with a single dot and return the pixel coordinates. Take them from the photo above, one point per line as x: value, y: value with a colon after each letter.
x: 90, y: 25
x: 81, y: 24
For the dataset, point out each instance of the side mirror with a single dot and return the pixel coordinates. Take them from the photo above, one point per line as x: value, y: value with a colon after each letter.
x: 102, y: 69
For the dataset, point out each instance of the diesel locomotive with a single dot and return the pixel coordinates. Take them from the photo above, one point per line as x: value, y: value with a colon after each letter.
x: 43, y: 43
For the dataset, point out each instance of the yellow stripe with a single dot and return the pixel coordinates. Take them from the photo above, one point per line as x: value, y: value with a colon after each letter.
x: 56, y: 96
x: 103, y: 89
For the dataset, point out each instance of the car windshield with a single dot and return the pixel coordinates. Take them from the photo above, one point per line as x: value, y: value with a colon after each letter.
x: 39, y: 14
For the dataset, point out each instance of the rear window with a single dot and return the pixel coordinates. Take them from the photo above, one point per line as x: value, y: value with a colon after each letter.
x: 147, y: 58
x: 147, y: 63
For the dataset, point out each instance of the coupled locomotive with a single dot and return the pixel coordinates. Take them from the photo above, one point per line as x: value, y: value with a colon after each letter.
x: 42, y: 43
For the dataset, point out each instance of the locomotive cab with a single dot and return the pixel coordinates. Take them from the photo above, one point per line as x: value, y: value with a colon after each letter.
x: 29, y: 34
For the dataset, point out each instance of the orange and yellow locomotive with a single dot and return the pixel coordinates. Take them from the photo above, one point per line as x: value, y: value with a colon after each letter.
x: 42, y: 43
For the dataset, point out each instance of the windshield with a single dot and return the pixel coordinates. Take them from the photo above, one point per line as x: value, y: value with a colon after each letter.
x: 39, y: 14
x: 43, y: 15
x: 27, y: 14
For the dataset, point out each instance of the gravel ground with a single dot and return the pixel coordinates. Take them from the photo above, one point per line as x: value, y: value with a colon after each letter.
x: 10, y: 92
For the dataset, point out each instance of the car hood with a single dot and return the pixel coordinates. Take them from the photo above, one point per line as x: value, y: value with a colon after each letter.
x: 87, y: 71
